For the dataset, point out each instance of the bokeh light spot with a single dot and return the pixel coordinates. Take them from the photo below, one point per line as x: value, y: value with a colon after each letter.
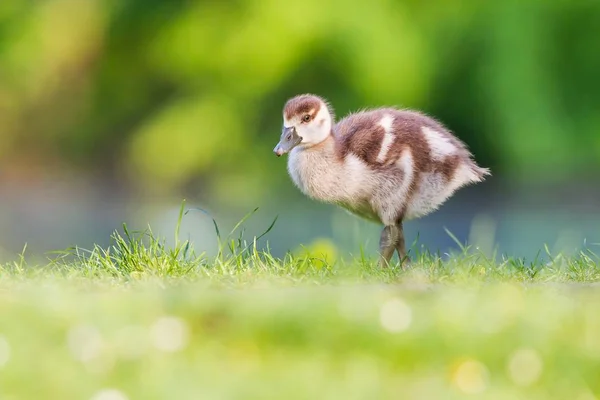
x: 109, y: 394
x: 169, y: 334
x: 395, y: 315
x: 85, y: 342
x: 525, y: 367
x: 471, y: 377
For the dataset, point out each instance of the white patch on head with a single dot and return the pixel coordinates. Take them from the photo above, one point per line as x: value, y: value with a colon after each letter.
x: 440, y: 145
x: 388, y: 138
x: 391, y: 197
x: 315, y: 131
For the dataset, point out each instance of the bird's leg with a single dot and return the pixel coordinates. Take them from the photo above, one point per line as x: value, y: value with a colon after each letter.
x: 401, y: 245
x: 387, y: 244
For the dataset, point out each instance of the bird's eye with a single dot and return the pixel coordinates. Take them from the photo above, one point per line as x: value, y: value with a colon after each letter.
x: 306, y: 118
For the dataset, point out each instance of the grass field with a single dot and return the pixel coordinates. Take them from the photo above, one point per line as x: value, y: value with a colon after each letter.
x: 141, y: 320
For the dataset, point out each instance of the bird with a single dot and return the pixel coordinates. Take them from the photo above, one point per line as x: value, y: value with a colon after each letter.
x: 387, y: 165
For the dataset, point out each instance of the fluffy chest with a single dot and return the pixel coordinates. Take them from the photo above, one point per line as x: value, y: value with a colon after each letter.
x: 323, y: 176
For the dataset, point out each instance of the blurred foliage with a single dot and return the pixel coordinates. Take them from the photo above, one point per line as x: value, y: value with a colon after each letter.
x: 168, y: 96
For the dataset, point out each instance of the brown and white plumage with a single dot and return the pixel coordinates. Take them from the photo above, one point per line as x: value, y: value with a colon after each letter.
x: 386, y: 165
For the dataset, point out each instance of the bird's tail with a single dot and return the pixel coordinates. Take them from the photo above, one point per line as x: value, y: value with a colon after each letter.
x: 480, y: 173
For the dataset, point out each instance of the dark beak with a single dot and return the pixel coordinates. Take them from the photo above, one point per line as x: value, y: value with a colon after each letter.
x: 289, y: 139
x: 277, y: 150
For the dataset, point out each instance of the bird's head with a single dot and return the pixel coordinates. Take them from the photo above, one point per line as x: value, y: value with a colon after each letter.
x: 307, y: 121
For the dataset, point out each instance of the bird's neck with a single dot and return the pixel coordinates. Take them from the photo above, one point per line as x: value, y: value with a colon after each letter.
x: 316, y: 169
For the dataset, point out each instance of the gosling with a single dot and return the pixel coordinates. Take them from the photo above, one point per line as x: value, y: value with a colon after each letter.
x: 385, y: 165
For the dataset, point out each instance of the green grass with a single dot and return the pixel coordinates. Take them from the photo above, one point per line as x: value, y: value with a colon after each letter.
x: 141, y: 320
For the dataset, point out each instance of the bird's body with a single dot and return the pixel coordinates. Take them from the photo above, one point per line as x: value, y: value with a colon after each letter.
x: 386, y: 165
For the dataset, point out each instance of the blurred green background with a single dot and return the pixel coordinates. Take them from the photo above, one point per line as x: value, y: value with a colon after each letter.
x: 114, y: 111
